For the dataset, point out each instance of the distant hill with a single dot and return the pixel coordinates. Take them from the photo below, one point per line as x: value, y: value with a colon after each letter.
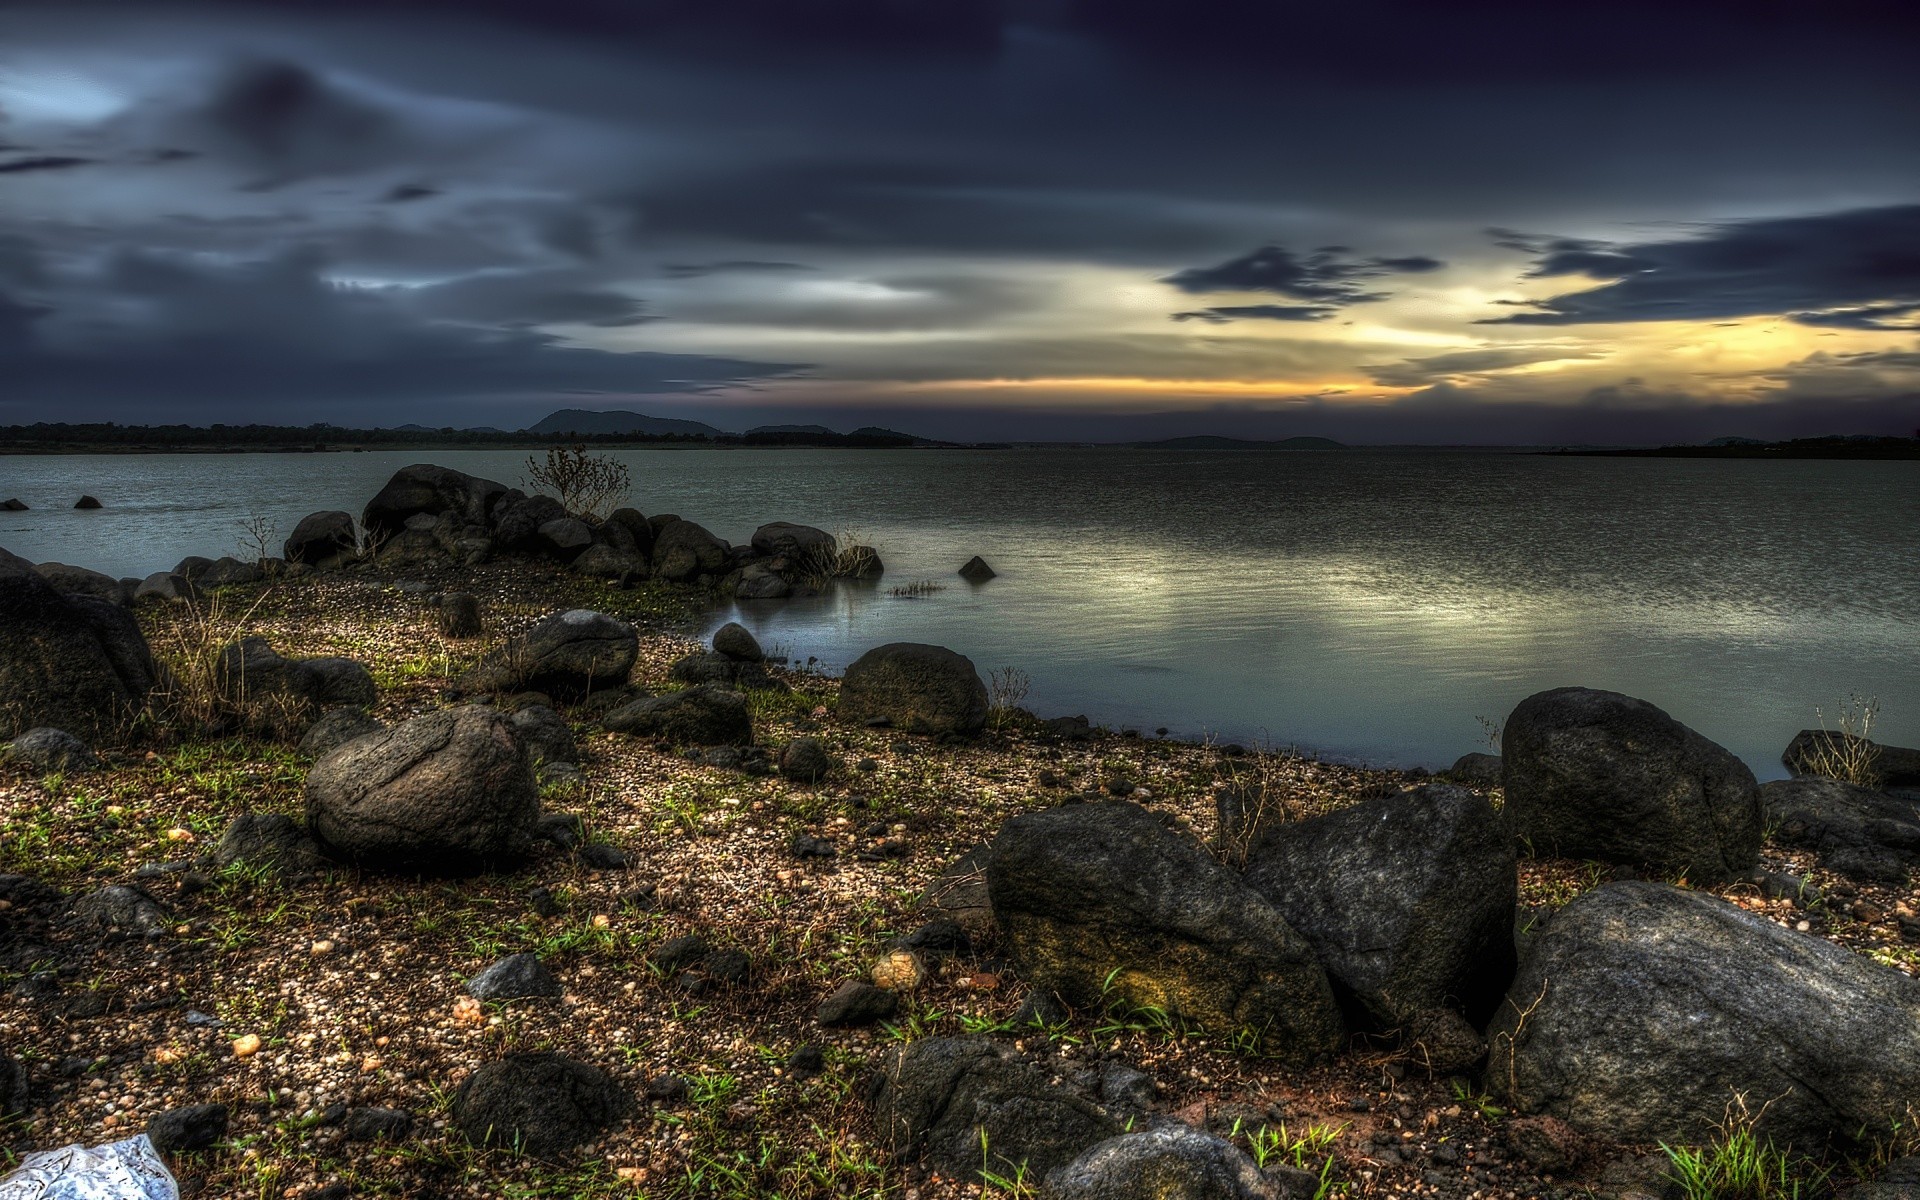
x: 618, y: 421
x: 1210, y: 442
x: 810, y: 430
x: 876, y: 433
x: 1859, y: 446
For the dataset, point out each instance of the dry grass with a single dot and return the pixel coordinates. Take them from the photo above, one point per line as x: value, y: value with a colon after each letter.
x: 1846, y: 753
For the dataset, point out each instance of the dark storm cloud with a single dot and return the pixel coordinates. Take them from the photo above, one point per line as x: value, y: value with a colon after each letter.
x: 283, y: 118
x: 1327, y: 279
x: 1810, y: 266
x: 404, y: 192
x: 1869, y: 316
x: 46, y: 162
x: 1221, y: 314
x: 738, y: 266
x: 1418, y: 372
x: 515, y: 300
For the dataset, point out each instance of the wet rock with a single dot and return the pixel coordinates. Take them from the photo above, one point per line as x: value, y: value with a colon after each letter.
x: 186, y: 1130
x: 1592, y: 774
x: 269, y: 840
x: 916, y: 688
x: 447, y: 791
x: 806, y: 760
x: 541, y: 1105
x: 684, y: 551
x: 1406, y: 900
x: 335, y: 728
x: 49, y: 750
x: 938, y: 1101
x: 704, y: 715
x: 1105, y: 905
x: 737, y: 643
x: 976, y: 570
x: 857, y: 1002
x: 1643, y: 1007
x: 70, y: 662
x: 1172, y: 1162
x: 515, y: 977
x: 565, y: 656
x: 457, y: 614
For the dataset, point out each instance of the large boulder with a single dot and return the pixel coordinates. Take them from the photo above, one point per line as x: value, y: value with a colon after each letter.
x: 78, y: 581
x: 759, y: 581
x: 706, y: 715
x: 683, y: 551
x: 1171, y: 1162
x: 958, y: 1105
x: 914, y: 687
x: 518, y: 524
x: 336, y: 727
x: 541, y: 1105
x: 450, y: 791
x: 801, y: 543
x: 429, y: 489
x: 1592, y: 774
x: 1816, y: 751
x: 1103, y: 904
x: 321, y: 537
x: 738, y: 643
x: 77, y: 663
x: 1858, y: 831
x: 1643, y: 1009
x: 1407, y: 900
x: 566, y: 656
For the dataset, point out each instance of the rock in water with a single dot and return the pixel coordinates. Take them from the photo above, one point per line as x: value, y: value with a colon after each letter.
x: 1407, y: 900
x: 1591, y: 774
x: 1643, y: 1009
x: 1172, y: 1162
x: 1816, y: 751
x: 87, y: 502
x: 566, y: 656
x: 802, y: 543
x: 1103, y: 904
x: 541, y: 1105
x: 320, y: 537
x: 916, y: 688
x: 448, y: 791
x: 72, y: 662
x: 940, y: 1100
x: 976, y: 570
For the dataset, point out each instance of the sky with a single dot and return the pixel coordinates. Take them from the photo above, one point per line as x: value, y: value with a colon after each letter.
x: 1474, y: 222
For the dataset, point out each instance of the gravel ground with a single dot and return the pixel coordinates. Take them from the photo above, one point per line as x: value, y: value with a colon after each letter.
x: 291, y: 1002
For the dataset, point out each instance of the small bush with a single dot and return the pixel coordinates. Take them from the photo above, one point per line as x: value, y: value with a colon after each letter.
x: 587, y: 485
x: 1006, y: 688
x: 1846, y: 753
x: 1740, y: 1164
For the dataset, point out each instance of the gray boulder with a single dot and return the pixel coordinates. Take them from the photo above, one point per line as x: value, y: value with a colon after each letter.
x: 565, y: 656
x: 1858, y: 832
x: 719, y: 669
x: 335, y: 728
x: 322, y: 537
x: 78, y: 581
x: 515, y: 977
x: 704, y: 715
x: 600, y: 561
x: 341, y: 681
x: 1406, y: 900
x: 1592, y: 774
x: 518, y: 525
x: 1104, y: 905
x: 916, y: 688
x: 429, y: 489
x: 564, y: 538
x: 760, y: 581
x: 166, y: 585
x: 1478, y: 769
x: 72, y: 662
x: 269, y: 840
x: 122, y: 909
x: 541, y: 1105
x: 547, y: 737
x: 736, y: 642
x: 801, y: 543
x: 1643, y: 1009
x: 806, y: 760
x: 627, y: 529
x: 47, y: 750
x: 957, y: 1105
x: 1171, y: 1162
x: 683, y: 551
x: 449, y: 791
x: 228, y: 571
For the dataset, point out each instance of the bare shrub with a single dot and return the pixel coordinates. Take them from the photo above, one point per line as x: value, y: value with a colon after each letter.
x: 1846, y: 751
x: 1006, y: 688
x: 587, y: 485
x: 259, y: 535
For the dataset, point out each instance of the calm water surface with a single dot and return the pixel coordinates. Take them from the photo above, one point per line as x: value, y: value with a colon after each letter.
x: 1365, y: 606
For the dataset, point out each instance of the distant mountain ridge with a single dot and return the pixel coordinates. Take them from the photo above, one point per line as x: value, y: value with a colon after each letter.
x: 620, y: 420
x: 1213, y: 442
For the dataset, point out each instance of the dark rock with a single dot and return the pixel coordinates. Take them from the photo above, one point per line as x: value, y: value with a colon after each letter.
x: 938, y: 940
x: 1069, y: 729
x: 518, y: 526
x: 806, y: 845
x: 458, y: 615
x: 546, y: 736
x: 1643, y: 1008
x: 13, y: 505
x: 976, y: 570
x: 916, y: 688
x: 679, y: 953
x: 606, y: 562
x: 566, y: 656
x: 626, y: 529
x: 704, y: 715
x: 806, y: 1062
x: 15, y: 1087
x: 857, y: 1002
x: 228, y: 571
x: 335, y: 728
x: 269, y: 840
x: 78, y: 581
x: 1547, y: 1144
x: 1443, y: 1042
x: 959, y: 893
x: 603, y: 856
x: 70, y: 662
x: 1869, y: 832
x: 806, y: 760
x: 1406, y: 900
x: 1479, y: 770
x: 683, y: 551
x: 1103, y: 904
x: 802, y: 543
x: 186, y: 1130
x: 541, y: 1105
x: 165, y: 585
x: 447, y: 791
x: 429, y: 489
x: 1900, y: 1180
x: 667, y: 1089
x: 1172, y: 1162
x: 1890, y: 766
x: 564, y: 830
x: 515, y: 977
x: 321, y: 537
x: 939, y: 1101
x: 736, y: 642
x: 728, y: 968
x: 273, y: 692
x: 48, y: 750
x: 721, y: 670
x: 376, y: 1125
x: 1591, y: 774
x: 341, y: 681
x: 564, y: 538
x: 1040, y: 1008
x: 122, y: 909
x: 87, y: 502
x: 194, y: 567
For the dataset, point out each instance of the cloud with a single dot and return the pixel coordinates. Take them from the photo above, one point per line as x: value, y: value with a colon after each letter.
x: 522, y: 299
x: 1221, y: 314
x: 1327, y: 279
x: 45, y: 162
x: 736, y: 266
x: 1418, y: 372
x: 1869, y: 316
x: 1849, y: 269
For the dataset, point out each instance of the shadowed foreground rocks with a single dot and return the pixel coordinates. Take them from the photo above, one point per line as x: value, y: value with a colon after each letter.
x: 543, y: 1105
x: 76, y: 663
x: 1103, y: 904
x: 1644, y: 1009
x: 448, y: 791
x: 1858, y: 832
x: 1171, y: 1162
x: 1592, y: 774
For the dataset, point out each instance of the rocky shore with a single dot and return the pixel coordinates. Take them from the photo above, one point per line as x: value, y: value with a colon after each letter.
x: 432, y: 858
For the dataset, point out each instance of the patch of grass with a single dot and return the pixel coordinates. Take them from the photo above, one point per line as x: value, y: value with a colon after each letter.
x: 1741, y: 1164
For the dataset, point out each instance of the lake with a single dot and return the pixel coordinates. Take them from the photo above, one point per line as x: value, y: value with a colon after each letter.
x: 1364, y: 606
